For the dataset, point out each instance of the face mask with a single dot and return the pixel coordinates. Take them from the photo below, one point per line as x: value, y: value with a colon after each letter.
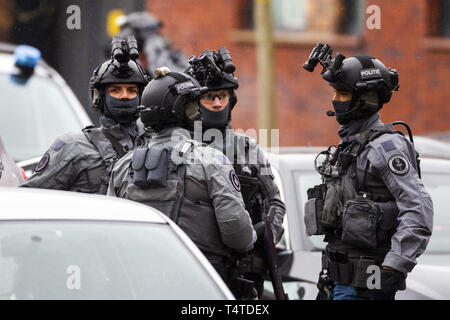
x: 341, y: 107
x: 215, y: 119
x: 123, y: 111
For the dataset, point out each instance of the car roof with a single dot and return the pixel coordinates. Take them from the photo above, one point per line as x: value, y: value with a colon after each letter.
x: 305, y: 161
x: 41, y: 204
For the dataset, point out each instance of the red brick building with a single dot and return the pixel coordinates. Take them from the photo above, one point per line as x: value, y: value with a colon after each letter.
x: 414, y: 38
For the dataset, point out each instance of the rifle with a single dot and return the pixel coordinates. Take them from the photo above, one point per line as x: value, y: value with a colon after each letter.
x: 271, y: 257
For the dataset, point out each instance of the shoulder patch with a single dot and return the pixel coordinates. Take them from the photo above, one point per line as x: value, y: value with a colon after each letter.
x: 57, y: 145
x: 42, y: 163
x: 388, y: 145
x: 235, y: 181
x: 398, y: 164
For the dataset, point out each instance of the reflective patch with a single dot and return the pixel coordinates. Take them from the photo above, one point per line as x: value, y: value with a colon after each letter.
x: 235, y: 180
x: 42, y: 163
x: 388, y: 146
x: 57, y: 145
x: 398, y: 164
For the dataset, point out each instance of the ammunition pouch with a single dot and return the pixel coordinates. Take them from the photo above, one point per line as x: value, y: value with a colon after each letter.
x: 348, y: 270
x: 331, y: 207
x: 150, y: 167
x: 313, y: 211
x: 241, y: 285
x: 323, y: 208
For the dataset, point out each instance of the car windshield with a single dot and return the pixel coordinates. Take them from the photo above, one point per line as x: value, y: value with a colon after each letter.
x: 437, y: 185
x: 99, y: 260
x: 32, y: 115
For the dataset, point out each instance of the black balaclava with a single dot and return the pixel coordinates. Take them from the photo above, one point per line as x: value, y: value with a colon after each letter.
x: 361, y: 106
x: 123, y: 111
x: 215, y: 119
x: 341, y: 108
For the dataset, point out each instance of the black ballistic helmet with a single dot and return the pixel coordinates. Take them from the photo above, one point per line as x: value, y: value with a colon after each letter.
x: 364, y: 73
x: 121, y: 68
x: 370, y: 81
x: 171, y: 99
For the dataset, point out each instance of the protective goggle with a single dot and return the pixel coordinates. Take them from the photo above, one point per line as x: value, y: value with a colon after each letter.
x: 211, y: 97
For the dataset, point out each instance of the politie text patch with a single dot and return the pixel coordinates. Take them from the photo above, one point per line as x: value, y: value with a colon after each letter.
x: 370, y: 73
x: 184, y: 87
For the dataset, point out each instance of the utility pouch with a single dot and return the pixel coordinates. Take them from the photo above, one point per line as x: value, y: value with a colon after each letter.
x: 139, y: 171
x: 332, y: 206
x: 313, y: 210
x: 388, y: 223
x: 339, y: 267
x: 361, y: 273
x: 317, y: 191
x: 359, y: 223
x: 157, y: 164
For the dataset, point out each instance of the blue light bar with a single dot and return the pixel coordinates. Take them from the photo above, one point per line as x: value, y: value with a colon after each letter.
x: 26, y: 56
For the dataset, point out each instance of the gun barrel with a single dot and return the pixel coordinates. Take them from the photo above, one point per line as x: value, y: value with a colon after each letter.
x: 272, y: 258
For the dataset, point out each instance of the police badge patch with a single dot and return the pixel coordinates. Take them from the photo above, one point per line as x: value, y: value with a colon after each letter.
x: 42, y: 163
x: 235, y: 181
x: 398, y: 164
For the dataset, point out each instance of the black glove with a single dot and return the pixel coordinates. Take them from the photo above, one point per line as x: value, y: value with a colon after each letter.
x: 391, y: 282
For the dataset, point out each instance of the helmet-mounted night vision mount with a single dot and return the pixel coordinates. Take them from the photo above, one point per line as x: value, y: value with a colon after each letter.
x: 322, y: 53
x: 123, y: 51
x: 214, y: 69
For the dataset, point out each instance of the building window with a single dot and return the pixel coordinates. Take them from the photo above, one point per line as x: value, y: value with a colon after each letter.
x: 438, y: 23
x: 289, y: 15
x: 445, y: 18
x: 324, y: 16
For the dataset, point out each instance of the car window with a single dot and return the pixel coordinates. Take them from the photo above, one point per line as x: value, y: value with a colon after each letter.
x: 99, y: 260
x: 32, y: 115
x: 438, y: 186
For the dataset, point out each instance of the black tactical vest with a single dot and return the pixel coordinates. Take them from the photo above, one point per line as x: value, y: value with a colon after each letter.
x: 110, y: 151
x: 159, y: 180
x: 333, y: 207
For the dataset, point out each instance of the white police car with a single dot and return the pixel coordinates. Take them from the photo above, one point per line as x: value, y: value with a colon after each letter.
x: 37, y: 105
x: 67, y: 245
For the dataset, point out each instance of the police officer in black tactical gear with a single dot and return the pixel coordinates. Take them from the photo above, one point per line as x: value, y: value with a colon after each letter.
x: 193, y: 184
x: 372, y: 206
x: 214, y: 69
x: 82, y: 161
x: 155, y: 49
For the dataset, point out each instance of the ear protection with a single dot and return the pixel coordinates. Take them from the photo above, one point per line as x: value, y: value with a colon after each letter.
x: 192, y: 111
x: 96, y: 95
